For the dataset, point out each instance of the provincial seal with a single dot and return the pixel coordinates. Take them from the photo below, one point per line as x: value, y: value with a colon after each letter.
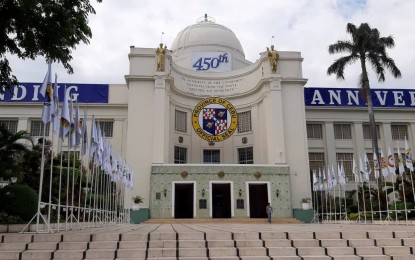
x: 214, y: 119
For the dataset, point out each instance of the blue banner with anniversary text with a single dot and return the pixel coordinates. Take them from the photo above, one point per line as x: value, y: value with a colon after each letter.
x: 350, y: 97
x: 83, y: 93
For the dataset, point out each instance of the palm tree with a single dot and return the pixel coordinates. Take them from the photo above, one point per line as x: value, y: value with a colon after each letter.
x: 10, y: 149
x: 365, y: 46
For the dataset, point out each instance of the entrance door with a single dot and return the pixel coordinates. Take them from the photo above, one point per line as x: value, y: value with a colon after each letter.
x: 183, y: 200
x: 221, y: 200
x: 258, y: 199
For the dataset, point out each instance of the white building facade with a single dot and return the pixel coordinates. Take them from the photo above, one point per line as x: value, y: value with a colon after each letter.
x: 283, y: 131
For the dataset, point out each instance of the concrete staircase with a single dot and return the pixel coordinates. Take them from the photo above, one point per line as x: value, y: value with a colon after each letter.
x: 203, y: 242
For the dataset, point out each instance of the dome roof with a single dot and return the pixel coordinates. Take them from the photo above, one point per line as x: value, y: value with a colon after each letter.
x: 206, y: 33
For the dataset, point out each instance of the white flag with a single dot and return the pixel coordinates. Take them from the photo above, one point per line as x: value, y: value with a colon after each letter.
x: 46, y: 91
x: 368, y: 170
x: 355, y: 171
x: 391, y: 162
x: 408, y: 157
x: 84, y: 134
x: 55, y: 109
x: 383, y: 165
x: 376, y: 165
x: 315, y: 181
x: 65, y: 117
x: 400, y: 162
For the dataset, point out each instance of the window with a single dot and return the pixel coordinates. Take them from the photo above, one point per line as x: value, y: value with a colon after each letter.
x: 106, y: 128
x: 65, y: 155
x: 180, y: 121
x: 316, y: 161
x: 10, y: 125
x: 367, y: 132
x: 211, y: 156
x: 246, y: 155
x: 399, y: 132
x: 36, y: 128
x: 347, y: 160
x: 370, y: 159
x: 314, y: 131
x: 180, y: 154
x: 244, y: 122
x: 342, y: 131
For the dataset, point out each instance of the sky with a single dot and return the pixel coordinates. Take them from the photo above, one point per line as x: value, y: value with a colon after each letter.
x: 307, y: 26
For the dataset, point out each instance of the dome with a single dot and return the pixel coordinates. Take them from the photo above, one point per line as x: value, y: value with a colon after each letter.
x: 206, y: 33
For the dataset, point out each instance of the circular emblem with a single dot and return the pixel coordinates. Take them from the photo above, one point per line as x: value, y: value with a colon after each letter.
x: 214, y: 119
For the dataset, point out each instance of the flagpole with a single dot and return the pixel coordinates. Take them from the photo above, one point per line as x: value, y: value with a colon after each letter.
x: 404, y: 199
x: 60, y: 184
x: 67, y: 185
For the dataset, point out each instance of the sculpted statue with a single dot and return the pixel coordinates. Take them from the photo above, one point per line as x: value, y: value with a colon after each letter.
x: 273, y: 58
x: 161, y: 53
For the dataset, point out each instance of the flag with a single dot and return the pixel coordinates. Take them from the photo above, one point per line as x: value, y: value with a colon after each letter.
x: 342, y: 174
x: 362, y: 170
x: 94, y: 138
x: 333, y: 177
x: 315, y: 181
x: 391, y: 162
x: 408, y: 157
x: 72, y: 124
x: 354, y: 171
x: 376, y: 165
x: 65, y: 117
x: 47, y: 92
x: 320, y: 179
x: 400, y: 162
x: 84, y: 134
x: 383, y: 165
x: 367, y: 168
x: 78, y: 127
x: 55, y: 109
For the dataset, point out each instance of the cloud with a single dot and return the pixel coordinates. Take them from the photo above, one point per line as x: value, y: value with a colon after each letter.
x: 307, y: 26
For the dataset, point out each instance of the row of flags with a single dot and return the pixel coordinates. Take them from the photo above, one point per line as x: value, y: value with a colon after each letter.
x: 71, y: 125
x: 387, y: 166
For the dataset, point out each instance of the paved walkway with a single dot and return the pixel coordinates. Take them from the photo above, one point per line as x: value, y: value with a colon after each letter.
x: 236, y: 228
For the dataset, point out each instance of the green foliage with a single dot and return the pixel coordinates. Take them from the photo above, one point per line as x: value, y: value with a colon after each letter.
x: 6, y: 219
x: 12, y: 151
x: 354, y: 216
x: 137, y: 199
x: 48, y: 28
x: 18, y: 200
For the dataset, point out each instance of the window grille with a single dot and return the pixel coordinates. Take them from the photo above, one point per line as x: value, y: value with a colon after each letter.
x: 316, y: 161
x: 180, y: 155
x: 246, y: 155
x: 314, y: 131
x: 244, y: 122
x: 347, y: 160
x: 399, y: 132
x: 211, y: 156
x: 342, y: 131
x: 367, y: 132
x: 180, y: 121
x: 106, y: 128
x: 10, y: 125
x: 36, y: 128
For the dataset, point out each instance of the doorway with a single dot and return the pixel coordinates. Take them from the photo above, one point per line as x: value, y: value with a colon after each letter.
x: 221, y: 200
x: 258, y: 200
x: 183, y: 200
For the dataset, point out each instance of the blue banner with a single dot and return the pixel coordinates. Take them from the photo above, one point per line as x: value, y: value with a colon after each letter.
x: 83, y: 93
x: 350, y: 97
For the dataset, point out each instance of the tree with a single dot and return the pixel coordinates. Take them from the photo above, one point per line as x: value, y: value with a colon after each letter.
x: 11, y: 151
x: 366, y: 46
x: 41, y: 28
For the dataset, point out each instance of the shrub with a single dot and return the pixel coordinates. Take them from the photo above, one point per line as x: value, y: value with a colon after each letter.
x: 18, y: 200
x: 6, y: 219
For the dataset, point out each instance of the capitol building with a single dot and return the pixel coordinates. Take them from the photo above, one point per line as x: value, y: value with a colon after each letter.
x: 209, y: 134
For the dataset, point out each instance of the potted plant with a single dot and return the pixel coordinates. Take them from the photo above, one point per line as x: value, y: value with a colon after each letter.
x: 137, y: 200
x: 305, y: 203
